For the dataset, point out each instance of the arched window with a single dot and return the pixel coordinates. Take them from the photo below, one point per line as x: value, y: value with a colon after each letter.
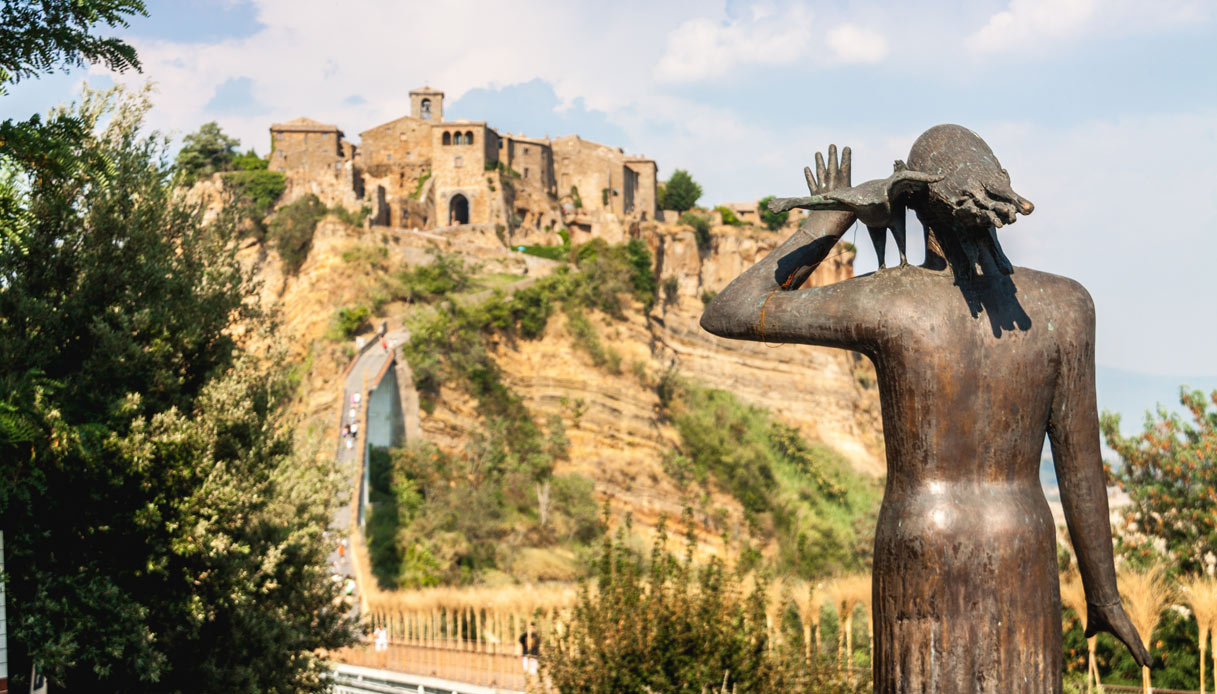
x: 456, y: 138
x: 447, y: 138
x: 424, y: 110
x: 469, y: 137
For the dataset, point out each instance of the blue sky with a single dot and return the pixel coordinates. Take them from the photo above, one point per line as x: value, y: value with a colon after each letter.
x: 1103, y: 111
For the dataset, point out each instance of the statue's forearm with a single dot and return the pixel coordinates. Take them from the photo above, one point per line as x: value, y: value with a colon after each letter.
x: 735, y: 311
x: 1074, y: 432
x: 1084, y: 499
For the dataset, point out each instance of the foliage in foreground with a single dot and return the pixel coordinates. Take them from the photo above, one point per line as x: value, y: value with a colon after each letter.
x: 670, y: 625
x: 160, y: 530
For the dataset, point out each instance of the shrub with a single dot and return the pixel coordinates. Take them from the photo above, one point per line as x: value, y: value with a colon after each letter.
x: 708, y: 295
x: 667, y: 624
x: 671, y: 289
x: 292, y: 228
x: 445, y: 275
x: 418, y: 189
x: 773, y: 220
x: 701, y: 227
x: 348, y: 321
x: 350, y: 218
x: 587, y: 339
x: 575, y: 199
x: 255, y: 193
x: 250, y: 161
x: 728, y: 216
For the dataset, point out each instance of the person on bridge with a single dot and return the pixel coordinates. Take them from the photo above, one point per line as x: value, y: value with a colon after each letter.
x: 530, y: 647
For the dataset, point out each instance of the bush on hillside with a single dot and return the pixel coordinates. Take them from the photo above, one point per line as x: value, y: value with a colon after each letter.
x: 773, y: 220
x: 348, y: 321
x: 254, y: 194
x: 701, y: 228
x: 291, y: 230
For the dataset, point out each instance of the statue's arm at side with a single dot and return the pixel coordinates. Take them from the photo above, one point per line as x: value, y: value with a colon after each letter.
x: 761, y: 303
x: 1073, y: 430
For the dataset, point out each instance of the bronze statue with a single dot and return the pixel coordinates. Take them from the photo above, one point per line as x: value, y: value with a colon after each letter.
x: 976, y: 360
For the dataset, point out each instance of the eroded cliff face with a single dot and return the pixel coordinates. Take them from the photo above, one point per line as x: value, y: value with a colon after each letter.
x: 614, y: 420
x: 829, y: 394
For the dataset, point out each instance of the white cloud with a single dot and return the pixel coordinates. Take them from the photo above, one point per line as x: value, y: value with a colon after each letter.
x: 1032, y: 24
x: 854, y: 44
x: 1028, y: 20
x: 702, y: 48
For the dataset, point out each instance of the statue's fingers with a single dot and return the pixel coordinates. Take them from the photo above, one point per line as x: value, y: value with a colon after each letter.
x: 821, y: 172
x: 845, y: 168
x: 811, y: 180
x: 832, y: 166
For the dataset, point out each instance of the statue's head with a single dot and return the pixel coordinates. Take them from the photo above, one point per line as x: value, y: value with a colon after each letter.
x: 974, y: 191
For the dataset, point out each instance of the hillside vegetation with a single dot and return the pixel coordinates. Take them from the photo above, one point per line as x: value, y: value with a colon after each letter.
x: 501, y: 505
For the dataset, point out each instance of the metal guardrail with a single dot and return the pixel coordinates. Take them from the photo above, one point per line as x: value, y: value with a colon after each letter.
x: 352, y: 679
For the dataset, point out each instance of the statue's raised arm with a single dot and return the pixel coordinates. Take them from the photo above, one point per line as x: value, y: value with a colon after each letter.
x: 761, y: 304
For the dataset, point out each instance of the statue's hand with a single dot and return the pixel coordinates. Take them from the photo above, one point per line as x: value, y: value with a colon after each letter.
x: 1113, y: 620
x: 832, y: 177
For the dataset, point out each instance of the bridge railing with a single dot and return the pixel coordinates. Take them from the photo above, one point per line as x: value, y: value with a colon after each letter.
x: 489, y: 666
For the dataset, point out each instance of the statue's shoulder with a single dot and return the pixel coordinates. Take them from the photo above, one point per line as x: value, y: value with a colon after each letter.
x: 1068, y: 299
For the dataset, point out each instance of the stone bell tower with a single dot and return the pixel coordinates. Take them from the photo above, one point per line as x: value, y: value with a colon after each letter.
x: 427, y: 104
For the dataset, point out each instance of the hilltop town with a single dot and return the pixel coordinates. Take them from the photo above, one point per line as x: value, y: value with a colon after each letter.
x: 422, y: 171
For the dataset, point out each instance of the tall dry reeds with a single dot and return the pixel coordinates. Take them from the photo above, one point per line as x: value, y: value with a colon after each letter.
x: 1200, y: 593
x: 1073, y: 596
x: 849, y: 592
x: 810, y: 601
x: 1146, y: 594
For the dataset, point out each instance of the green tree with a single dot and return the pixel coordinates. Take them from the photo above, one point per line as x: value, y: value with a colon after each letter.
x: 1170, y: 473
x: 773, y: 220
x: 205, y: 152
x: 39, y: 37
x: 160, y: 530
x: 681, y: 192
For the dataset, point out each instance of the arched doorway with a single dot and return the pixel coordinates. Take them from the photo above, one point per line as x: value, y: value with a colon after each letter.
x: 458, y: 210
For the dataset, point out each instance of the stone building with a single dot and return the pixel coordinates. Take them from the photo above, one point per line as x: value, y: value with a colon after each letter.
x: 306, y: 148
x: 420, y: 170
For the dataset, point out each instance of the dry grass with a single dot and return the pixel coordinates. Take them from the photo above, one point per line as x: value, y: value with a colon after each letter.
x: 1200, y: 593
x: 515, y: 599
x: 1073, y: 596
x: 1146, y: 594
x: 849, y: 592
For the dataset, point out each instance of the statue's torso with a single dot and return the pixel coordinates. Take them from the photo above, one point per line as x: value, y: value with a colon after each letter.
x: 965, y: 536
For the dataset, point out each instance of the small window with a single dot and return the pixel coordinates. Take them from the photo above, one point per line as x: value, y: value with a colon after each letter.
x: 458, y: 161
x: 526, y: 149
x: 447, y: 138
x: 389, y: 157
x: 456, y: 138
x: 525, y: 172
x: 469, y: 137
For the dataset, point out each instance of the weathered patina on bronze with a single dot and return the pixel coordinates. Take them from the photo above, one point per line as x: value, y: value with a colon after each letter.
x: 976, y: 360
